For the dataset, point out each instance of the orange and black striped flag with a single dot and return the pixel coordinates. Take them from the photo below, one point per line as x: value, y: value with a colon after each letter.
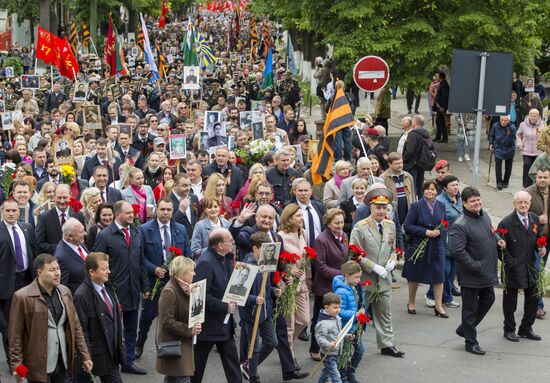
x: 162, y: 63
x: 85, y: 35
x: 140, y: 38
x: 73, y: 38
x: 338, y: 117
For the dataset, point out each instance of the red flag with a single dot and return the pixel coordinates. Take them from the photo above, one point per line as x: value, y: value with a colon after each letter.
x: 109, y: 52
x: 68, y: 64
x: 163, y: 12
x: 47, y: 47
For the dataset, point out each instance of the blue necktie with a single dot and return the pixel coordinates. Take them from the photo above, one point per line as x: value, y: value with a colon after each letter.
x: 20, y: 265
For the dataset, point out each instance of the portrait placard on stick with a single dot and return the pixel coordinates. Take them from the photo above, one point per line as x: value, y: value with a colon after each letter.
x: 63, y: 150
x: 240, y: 283
x: 92, y: 116
x: 269, y: 256
x: 178, y: 146
x: 196, y: 302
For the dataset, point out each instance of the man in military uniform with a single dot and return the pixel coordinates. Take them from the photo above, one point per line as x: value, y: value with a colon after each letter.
x: 289, y: 90
x: 376, y: 236
x: 10, y: 97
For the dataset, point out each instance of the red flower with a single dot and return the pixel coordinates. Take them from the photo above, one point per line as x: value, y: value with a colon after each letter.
x: 363, y: 318
x: 239, y: 161
x: 175, y: 251
x: 136, y: 208
x: 235, y: 204
x: 287, y: 258
x: 13, y: 176
x: 445, y: 223
x: 310, y: 252
x: 501, y: 231
x: 22, y: 371
x: 75, y: 205
x: 541, y: 241
x: 366, y: 283
x: 278, y: 277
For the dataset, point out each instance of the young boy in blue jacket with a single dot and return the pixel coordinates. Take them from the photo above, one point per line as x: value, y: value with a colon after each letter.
x: 349, y: 289
x: 247, y: 313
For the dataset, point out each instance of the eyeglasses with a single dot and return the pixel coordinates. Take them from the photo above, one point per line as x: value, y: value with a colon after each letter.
x: 153, y: 120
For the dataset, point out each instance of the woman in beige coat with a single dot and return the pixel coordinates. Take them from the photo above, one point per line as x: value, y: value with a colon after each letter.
x: 173, y: 322
x: 331, y: 193
x: 292, y: 232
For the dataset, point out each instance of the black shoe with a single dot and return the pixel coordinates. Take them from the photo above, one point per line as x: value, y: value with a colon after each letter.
x: 411, y: 311
x: 289, y: 376
x: 416, y: 112
x: 132, y: 369
x: 392, y: 351
x: 296, y: 365
x: 459, y: 331
x: 511, y: 336
x: 474, y: 349
x: 303, y: 336
x: 440, y: 315
x: 139, y: 351
x: 393, y: 278
x: 455, y: 292
x: 505, y: 184
x: 529, y: 335
x: 499, y: 186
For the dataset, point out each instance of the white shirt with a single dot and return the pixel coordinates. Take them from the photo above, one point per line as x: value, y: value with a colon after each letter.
x: 75, y: 248
x: 161, y: 229
x: 402, y: 140
x: 122, y: 227
x: 21, y: 239
x: 316, y: 219
x: 197, y: 189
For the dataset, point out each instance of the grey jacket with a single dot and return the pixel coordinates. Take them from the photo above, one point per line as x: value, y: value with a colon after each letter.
x: 326, y: 331
x: 472, y: 243
x: 199, y: 241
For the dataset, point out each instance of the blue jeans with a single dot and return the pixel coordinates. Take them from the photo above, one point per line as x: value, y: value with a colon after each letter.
x: 448, y: 283
x: 418, y: 177
x: 358, y: 352
x: 464, y: 147
x: 330, y: 370
x: 130, y: 322
x: 345, y: 136
x: 269, y: 341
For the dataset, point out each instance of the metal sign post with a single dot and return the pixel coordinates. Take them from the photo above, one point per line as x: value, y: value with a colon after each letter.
x: 479, y: 116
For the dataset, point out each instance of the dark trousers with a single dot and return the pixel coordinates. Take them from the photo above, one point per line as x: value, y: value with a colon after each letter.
x: 441, y: 126
x: 130, y: 322
x: 509, y: 305
x: 418, y: 177
x: 283, y: 348
x: 507, y: 170
x: 228, y: 354
x: 149, y: 311
x: 475, y: 305
x: 448, y: 283
x: 53, y: 378
x: 527, y: 162
x: 383, y: 122
x: 266, y: 330
x: 113, y: 376
x: 317, y: 306
x: 411, y: 97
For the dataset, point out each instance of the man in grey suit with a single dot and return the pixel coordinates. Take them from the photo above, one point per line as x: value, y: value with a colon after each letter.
x: 363, y: 171
x: 107, y: 193
x: 376, y: 236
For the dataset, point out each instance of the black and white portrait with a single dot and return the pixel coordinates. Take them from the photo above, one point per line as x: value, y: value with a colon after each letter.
x: 80, y: 91
x: 8, y: 72
x: 258, y: 130
x: 196, y: 301
x: 203, y: 140
x: 245, y: 119
x: 210, y: 118
x: 269, y: 256
x: 240, y: 283
x: 217, y: 135
x: 7, y: 121
x: 191, y: 77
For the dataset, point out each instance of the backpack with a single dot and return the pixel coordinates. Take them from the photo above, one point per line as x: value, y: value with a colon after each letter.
x: 428, y: 156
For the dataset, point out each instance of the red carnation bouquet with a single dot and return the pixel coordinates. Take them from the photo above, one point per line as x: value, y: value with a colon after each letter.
x: 542, y: 279
x: 75, y: 204
x: 361, y: 320
x: 174, y: 252
x: 421, y: 249
x: 137, y: 221
x: 355, y: 253
x: 21, y: 371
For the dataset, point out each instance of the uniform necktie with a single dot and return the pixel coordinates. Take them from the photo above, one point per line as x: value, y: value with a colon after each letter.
x: 167, y: 241
x: 81, y: 253
x: 19, y: 264
x: 311, y: 225
x: 126, y: 235
x: 63, y: 220
x: 107, y: 302
x: 381, y: 230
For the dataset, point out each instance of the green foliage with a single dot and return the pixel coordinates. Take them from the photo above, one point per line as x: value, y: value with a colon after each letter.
x: 14, y: 62
x: 416, y: 37
x: 24, y: 9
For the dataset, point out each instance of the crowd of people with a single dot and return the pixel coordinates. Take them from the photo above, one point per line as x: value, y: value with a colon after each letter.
x: 85, y: 243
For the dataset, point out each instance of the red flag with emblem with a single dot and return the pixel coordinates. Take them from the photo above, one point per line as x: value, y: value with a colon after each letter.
x: 68, y: 65
x: 164, y: 11
x: 47, y: 47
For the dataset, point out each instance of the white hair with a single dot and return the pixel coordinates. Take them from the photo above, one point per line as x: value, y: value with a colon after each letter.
x: 522, y: 193
x: 70, y: 226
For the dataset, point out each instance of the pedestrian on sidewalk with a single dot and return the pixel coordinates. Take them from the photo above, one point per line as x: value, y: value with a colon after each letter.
x: 527, y: 136
x: 502, y: 141
x: 441, y: 105
x: 465, y: 133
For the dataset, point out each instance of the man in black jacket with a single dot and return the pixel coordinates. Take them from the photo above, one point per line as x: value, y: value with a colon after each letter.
x: 412, y: 150
x: 97, y: 305
x: 441, y: 105
x: 520, y: 270
x: 474, y: 246
x: 55, y: 98
x: 222, y: 165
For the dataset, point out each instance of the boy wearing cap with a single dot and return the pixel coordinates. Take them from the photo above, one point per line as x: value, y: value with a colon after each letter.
x: 376, y: 236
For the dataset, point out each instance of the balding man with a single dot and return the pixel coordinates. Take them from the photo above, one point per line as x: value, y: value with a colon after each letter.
x: 71, y: 253
x: 215, y: 267
x: 519, y: 267
x: 363, y: 171
x: 265, y: 217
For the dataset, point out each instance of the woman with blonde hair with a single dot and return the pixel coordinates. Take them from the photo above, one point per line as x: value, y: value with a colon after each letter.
x: 46, y: 193
x: 173, y: 319
x: 292, y: 233
x: 342, y: 170
x: 257, y: 171
x: 23, y: 169
x: 90, y: 199
x: 215, y: 187
x: 140, y: 194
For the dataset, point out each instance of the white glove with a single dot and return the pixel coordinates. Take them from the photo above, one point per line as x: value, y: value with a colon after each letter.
x: 391, y: 265
x: 382, y: 272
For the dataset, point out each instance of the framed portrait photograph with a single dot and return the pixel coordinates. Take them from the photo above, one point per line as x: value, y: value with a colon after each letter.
x: 217, y: 134
x: 258, y: 130
x: 116, y: 90
x: 80, y: 91
x: 191, y: 77
x: 210, y: 117
x: 92, y: 116
x: 2, y: 106
x: 7, y: 120
x: 231, y: 144
x: 8, y: 72
x: 197, y: 298
x: 240, y: 283
x: 63, y: 150
x: 312, y: 148
x: 299, y: 154
x: 178, y: 146
x: 529, y: 84
x: 203, y: 144
x: 126, y: 128
x: 245, y: 119
x: 30, y: 81
x: 269, y: 256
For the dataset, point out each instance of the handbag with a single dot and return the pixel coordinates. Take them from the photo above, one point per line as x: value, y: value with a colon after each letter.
x: 169, y: 350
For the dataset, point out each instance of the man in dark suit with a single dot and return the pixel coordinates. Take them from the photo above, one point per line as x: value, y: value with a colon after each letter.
x: 186, y: 205
x: 55, y: 98
x: 441, y: 105
x: 122, y: 241
x: 127, y: 152
x: 215, y: 267
x: 71, y: 253
x: 101, y: 158
x: 239, y: 288
x: 313, y: 210
x: 17, y: 252
x: 48, y: 227
x: 157, y: 236
x: 39, y: 157
x: 520, y: 269
x: 21, y: 192
x: 97, y: 305
x: 223, y: 166
x: 52, y: 174
x: 166, y: 114
x: 107, y: 193
x: 263, y: 196
x: 143, y: 140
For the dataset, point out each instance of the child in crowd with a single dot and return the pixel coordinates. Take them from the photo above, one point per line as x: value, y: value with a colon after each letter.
x: 327, y: 329
x: 348, y: 288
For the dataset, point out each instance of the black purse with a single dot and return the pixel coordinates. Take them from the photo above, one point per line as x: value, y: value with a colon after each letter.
x: 169, y: 350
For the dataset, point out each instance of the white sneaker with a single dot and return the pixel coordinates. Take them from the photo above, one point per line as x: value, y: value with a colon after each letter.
x: 467, y: 157
x: 460, y: 159
x: 429, y: 302
x: 452, y: 304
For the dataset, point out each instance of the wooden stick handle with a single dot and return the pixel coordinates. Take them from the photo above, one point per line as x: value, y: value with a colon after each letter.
x: 257, y: 319
x: 318, y: 365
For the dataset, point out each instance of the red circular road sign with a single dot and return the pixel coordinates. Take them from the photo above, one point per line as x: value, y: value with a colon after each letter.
x: 371, y: 73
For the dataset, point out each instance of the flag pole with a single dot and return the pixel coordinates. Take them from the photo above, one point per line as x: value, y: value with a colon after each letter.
x: 35, y: 64
x: 51, y: 76
x: 93, y: 45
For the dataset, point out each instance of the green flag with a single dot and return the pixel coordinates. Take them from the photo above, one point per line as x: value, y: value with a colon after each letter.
x: 189, y: 49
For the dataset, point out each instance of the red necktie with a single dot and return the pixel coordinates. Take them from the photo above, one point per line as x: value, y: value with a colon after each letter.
x: 107, y: 302
x: 127, y: 235
x: 62, y: 219
x: 81, y: 253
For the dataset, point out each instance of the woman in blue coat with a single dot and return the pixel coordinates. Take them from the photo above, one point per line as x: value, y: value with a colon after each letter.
x: 421, y: 222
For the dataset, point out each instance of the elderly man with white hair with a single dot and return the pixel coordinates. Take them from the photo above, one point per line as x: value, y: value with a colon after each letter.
x: 71, y: 253
x: 502, y: 142
x: 519, y: 267
x: 363, y: 168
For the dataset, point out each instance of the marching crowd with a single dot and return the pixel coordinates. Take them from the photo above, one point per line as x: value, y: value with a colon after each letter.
x: 82, y: 245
